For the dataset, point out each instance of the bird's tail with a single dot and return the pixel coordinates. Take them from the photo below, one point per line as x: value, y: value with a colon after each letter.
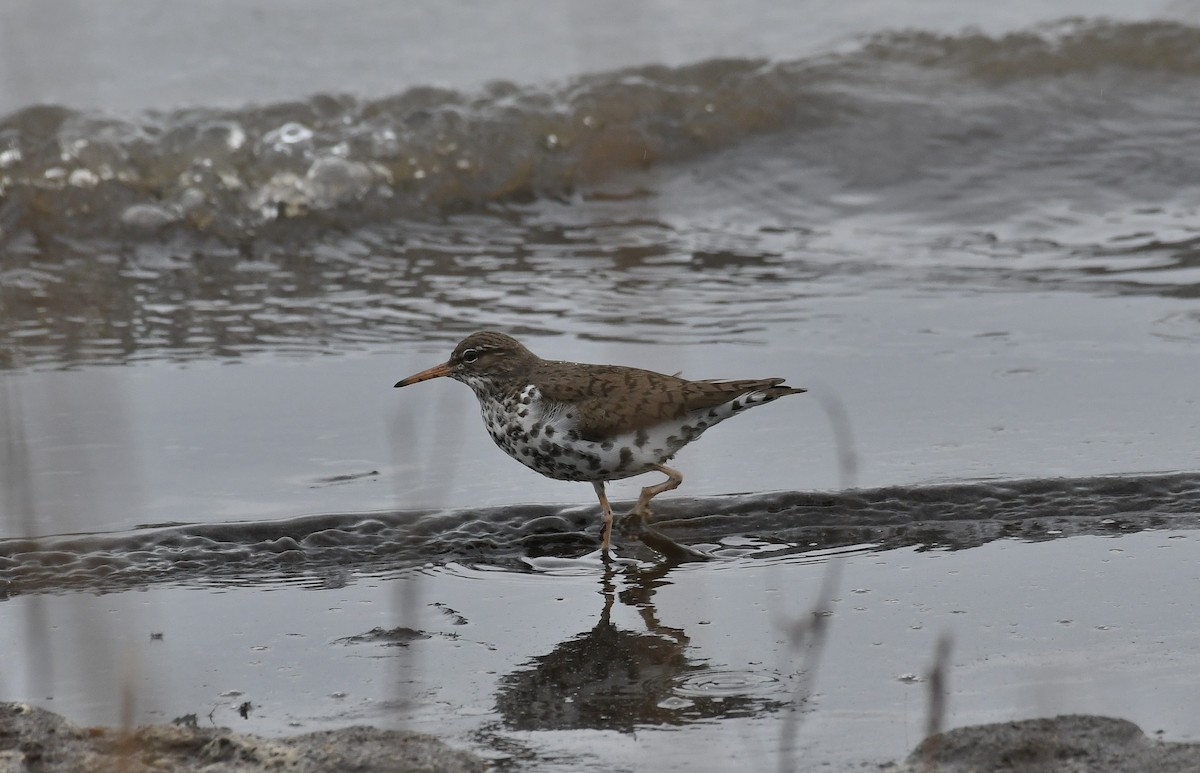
x: 774, y: 388
x: 769, y: 389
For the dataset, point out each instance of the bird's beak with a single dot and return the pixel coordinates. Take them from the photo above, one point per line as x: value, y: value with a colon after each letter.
x: 437, y: 371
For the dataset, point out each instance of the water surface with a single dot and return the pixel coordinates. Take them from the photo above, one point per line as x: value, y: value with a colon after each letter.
x: 977, y: 248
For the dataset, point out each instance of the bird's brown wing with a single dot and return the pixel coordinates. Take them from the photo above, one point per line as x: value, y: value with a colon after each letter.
x: 648, y: 398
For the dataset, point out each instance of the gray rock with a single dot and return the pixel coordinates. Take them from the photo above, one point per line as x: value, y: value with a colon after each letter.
x: 1071, y: 743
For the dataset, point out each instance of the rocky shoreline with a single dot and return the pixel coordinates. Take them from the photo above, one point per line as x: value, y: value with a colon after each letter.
x: 33, y: 739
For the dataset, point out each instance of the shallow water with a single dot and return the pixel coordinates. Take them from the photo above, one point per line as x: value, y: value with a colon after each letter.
x: 562, y: 666
x: 978, y: 250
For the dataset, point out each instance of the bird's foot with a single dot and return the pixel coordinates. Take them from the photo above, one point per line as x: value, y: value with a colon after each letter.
x: 637, y: 518
x: 632, y: 525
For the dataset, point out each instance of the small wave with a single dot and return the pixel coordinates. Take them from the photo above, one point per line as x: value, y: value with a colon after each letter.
x: 338, y: 160
x: 516, y: 538
x: 426, y: 150
x: 322, y: 225
x: 1057, y: 48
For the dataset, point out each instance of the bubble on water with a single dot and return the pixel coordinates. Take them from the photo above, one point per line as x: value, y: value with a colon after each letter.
x: 291, y: 134
x: 235, y: 135
x: 385, y: 143
x: 284, y: 195
x: 83, y: 178
x: 191, y: 198
x: 148, y: 216
x: 675, y: 703
x: 332, y: 180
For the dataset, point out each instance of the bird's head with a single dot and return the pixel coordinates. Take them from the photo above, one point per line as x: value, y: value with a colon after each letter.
x: 479, y: 360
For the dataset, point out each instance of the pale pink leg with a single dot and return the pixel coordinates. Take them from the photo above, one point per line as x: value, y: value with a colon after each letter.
x: 607, y: 512
x: 674, y: 478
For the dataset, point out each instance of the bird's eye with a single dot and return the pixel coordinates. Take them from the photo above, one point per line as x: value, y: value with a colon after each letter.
x: 469, y: 356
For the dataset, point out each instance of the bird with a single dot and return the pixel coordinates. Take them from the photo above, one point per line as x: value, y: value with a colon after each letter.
x: 575, y: 421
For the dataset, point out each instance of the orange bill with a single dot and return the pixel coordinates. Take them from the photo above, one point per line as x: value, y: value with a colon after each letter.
x: 437, y: 371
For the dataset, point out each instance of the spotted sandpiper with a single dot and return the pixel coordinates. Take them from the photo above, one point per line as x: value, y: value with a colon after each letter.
x: 595, y: 423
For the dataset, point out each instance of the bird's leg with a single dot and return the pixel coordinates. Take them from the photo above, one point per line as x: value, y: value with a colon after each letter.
x: 607, y: 512
x: 674, y: 478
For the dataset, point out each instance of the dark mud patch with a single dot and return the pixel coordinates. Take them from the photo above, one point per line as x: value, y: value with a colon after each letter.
x: 400, y: 636
x: 324, y: 549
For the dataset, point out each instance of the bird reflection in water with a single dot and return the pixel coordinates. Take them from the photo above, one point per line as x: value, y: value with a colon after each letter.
x: 609, y: 678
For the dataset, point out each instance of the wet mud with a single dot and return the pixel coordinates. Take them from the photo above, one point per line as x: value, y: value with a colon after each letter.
x: 953, y: 517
